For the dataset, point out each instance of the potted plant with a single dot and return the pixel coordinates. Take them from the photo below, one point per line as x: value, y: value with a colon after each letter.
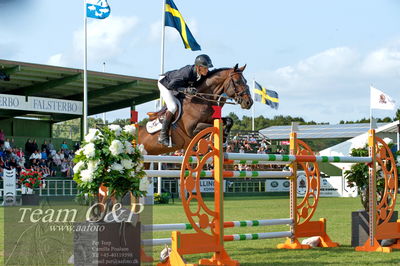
x: 358, y: 176
x: 30, y: 181
x: 107, y: 158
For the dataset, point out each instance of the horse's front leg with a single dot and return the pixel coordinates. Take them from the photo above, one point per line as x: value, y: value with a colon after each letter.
x: 228, y: 123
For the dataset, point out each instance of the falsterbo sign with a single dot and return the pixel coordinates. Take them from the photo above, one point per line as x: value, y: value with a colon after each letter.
x: 40, y: 104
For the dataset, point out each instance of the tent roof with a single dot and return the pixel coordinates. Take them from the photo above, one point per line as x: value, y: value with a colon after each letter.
x: 106, y: 91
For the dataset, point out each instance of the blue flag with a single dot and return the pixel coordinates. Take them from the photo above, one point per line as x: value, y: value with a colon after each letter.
x: 173, y: 18
x: 97, y: 9
x: 268, y: 97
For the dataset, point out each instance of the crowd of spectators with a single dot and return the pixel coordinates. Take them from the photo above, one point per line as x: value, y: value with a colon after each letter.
x: 46, y: 158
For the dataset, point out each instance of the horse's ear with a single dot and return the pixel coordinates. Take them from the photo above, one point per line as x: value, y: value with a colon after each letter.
x: 235, y: 67
x: 242, y: 68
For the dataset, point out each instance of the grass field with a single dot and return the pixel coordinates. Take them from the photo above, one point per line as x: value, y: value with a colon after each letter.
x: 263, y: 252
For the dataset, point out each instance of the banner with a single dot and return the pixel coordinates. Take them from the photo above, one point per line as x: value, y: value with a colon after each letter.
x: 333, y: 186
x: 40, y: 104
x: 9, y: 191
x: 207, y: 185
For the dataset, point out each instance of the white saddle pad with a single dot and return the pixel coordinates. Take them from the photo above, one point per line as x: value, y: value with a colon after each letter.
x: 156, y: 125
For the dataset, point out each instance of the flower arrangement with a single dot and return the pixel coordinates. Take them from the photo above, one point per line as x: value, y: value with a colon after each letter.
x: 107, y: 157
x: 31, y: 179
x: 358, y: 176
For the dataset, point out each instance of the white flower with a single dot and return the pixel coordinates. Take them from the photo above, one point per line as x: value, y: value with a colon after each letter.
x: 128, y: 147
x: 142, y: 149
x: 79, y: 152
x: 78, y: 166
x: 116, y: 128
x: 93, y: 135
x: 139, y: 166
x: 127, y: 164
x: 117, y: 167
x: 116, y: 147
x: 89, y: 150
x: 93, y: 164
x: 130, y: 129
x: 86, y: 176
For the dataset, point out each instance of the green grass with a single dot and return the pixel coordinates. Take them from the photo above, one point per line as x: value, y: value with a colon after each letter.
x: 337, y: 211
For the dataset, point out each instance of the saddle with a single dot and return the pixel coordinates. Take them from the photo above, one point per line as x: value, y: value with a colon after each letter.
x: 155, y: 118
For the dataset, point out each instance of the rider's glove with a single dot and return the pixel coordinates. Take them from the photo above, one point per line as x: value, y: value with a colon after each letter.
x: 191, y: 90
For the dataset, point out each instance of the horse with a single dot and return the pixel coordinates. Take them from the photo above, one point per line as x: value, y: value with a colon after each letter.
x: 197, y: 110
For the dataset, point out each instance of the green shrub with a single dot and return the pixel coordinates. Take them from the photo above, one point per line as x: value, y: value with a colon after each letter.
x: 162, y: 199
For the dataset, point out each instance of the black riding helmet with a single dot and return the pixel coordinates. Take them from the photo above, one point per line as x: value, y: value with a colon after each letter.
x: 203, y: 60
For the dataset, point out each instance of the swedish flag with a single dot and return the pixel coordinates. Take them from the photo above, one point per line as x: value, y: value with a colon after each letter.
x: 173, y: 18
x: 265, y: 96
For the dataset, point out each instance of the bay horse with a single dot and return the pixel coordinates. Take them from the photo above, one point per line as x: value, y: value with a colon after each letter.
x: 197, y: 111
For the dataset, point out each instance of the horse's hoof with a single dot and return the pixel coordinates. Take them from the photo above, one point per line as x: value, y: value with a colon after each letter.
x: 164, y: 142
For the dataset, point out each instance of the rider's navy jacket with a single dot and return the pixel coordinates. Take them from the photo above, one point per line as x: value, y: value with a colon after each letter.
x: 181, y: 78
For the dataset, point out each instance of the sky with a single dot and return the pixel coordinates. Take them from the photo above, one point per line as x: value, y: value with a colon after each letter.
x: 320, y: 56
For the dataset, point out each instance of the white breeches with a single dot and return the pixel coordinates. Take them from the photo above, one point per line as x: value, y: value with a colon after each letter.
x: 168, y: 97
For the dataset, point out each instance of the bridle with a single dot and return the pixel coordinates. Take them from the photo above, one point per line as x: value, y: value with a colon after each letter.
x: 237, y: 94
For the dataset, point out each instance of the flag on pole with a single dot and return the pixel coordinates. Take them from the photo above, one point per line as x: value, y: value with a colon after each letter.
x: 268, y: 97
x: 174, y: 19
x: 97, y: 9
x: 380, y: 100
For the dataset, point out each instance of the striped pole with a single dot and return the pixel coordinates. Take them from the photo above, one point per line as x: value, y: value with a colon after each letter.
x: 246, y: 158
x: 227, y: 238
x: 238, y: 237
x: 246, y: 223
x: 227, y: 174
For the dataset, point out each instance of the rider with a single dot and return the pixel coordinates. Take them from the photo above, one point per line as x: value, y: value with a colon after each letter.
x: 180, y: 80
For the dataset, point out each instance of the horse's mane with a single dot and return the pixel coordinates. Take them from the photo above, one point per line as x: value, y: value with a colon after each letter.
x: 216, y: 71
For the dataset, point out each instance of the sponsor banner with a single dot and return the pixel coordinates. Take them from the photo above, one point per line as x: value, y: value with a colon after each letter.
x: 207, y: 185
x: 334, y: 186
x: 10, y: 193
x: 277, y: 185
x: 40, y: 104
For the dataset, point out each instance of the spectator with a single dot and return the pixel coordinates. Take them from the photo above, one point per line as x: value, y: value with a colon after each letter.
x: 44, y: 168
x: 19, y: 153
x: 44, y: 147
x: 44, y: 154
x: 29, y: 148
x: 35, y: 156
x: 241, y: 150
x: 1, y: 136
x: 57, y: 159
x: 64, y: 168
x: 64, y: 146
x: 261, y: 150
x: 7, y: 145
x: 12, y: 143
x: 51, y: 148
x: 35, y: 145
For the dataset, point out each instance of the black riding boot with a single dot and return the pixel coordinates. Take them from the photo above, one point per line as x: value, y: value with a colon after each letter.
x: 164, y: 133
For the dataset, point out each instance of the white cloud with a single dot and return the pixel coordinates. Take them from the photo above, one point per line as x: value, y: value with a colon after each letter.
x: 384, y: 62
x: 105, y: 37
x: 333, y: 85
x: 57, y: 60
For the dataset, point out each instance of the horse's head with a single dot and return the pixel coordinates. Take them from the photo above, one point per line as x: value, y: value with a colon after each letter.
x: 238, y: 89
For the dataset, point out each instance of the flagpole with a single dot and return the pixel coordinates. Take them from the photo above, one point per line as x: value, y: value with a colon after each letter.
x: 159, y: 179
x: 85, y: 107
x: 162, y: 42
x: 252, y: 120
